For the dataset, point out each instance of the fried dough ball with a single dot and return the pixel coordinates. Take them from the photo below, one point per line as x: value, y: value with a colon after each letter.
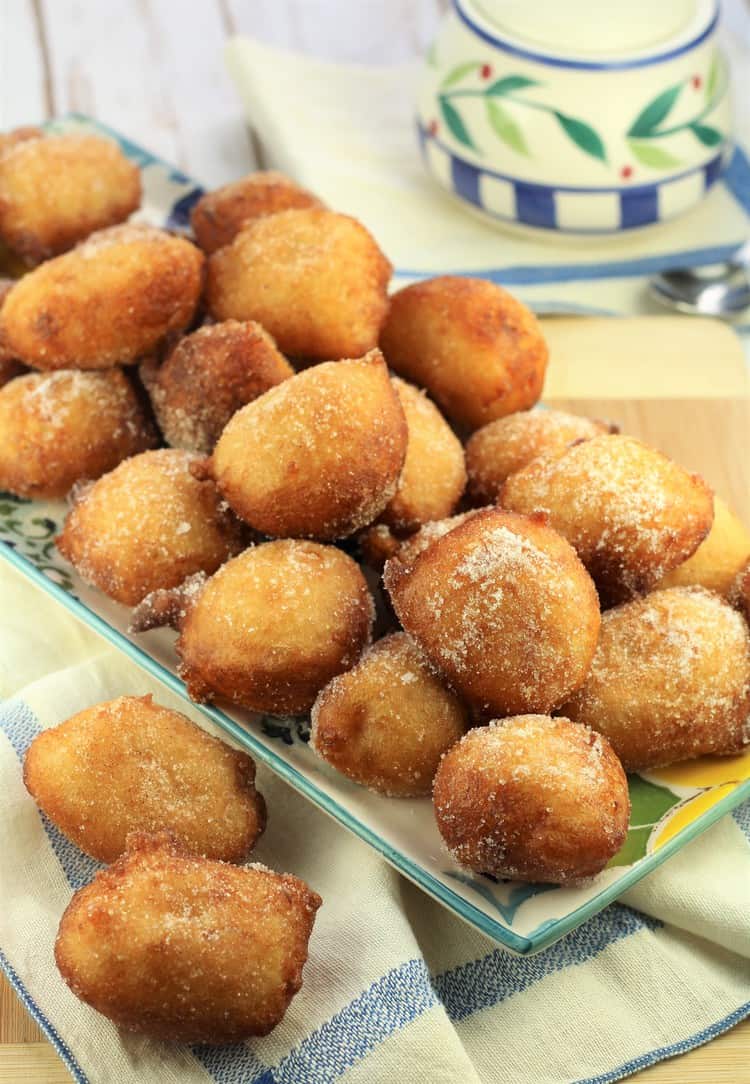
x: 111, y: 300
x: 8, y: 140
x: 208, y: 376
x: 58, y: 190
x: 314, y: 279
x: 670, y: 679
x: 186, y: 949
x: 503, y: 607
x: 147, y: 524
x: 411, y: 547
x: 434, y: 473
x: 739, y: 593
x: 10, y: 367
x: 58, y: 428
x: 630, y: 512
x: 532, y: 799
x: 219, y: 216
x: 318, y: 456
x: 719, y: 557
x: 271, y: 628
x: 387, y: 722
x: 129, y: 765
x: 506, y: 445
x: 477, y: 350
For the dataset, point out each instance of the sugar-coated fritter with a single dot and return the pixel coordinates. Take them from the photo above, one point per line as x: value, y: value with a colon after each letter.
x: 718, y: 559
x: 503, y: 447
x: 314, y: 279
x: 10, y: 139
x: 670, y: 679
x: 109, y: 301
x: 318, y: 456
x: 58, y: 428
x: 410, y: 548
x: 57, y: 190
x: 739, y: 592
x: 503, y: 607
x: 149, y: 523
x: 219, y: 216
x: 10, y: 367
x: 186, y: 949
x: 532, y: 798
x: 387, y: 722
x: 434, y: 472
x: 130, y: 765
x: 208, y: 376
x: 271, y: 628
x: 631, y: 513
x: 478, y: 350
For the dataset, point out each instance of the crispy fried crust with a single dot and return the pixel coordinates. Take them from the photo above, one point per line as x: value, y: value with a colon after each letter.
x: 314, y: 279
x: 477, y: 350
x: 95, y: 186
x: 533, y: 799
x: 670, y: 679
x: 502, y: 606
x: 739, y: 594
x: 719, y: 558
x: 108, y: 302
x: 130, y: 765
x: 185, y: 949
x: 219, y: 216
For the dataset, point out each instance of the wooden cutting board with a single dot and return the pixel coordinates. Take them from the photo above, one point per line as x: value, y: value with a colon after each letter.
x: 679, y: 383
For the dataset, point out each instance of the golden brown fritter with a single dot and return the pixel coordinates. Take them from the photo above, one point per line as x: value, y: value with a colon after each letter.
x: 110, y: 301
x: 130, y: 765
x: 207, y: 377
x: 532, y: 799
x: 718, y: 559
x: 219, y: 216
x: 57, y: 190
x: 10, y: 366
x: 479, y: 351
x: 387, y: 722
x: 314, y: 279
x: 8, y: 140
x: 58, y: 428
x: 629, y: 511
x: 318, y: 456
x: 739, y: 592
x: 670, y: 679
x: 185, y: 949
x: 147, y: 524
x: 503, y: 607
x: 506, y: 445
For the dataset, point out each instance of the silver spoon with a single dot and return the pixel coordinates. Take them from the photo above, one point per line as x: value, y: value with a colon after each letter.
x: 721, y: 290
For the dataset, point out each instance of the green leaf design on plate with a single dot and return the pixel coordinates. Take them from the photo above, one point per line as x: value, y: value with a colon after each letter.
x: 509, y: 83
x: 649, y: 803
x: 455, y: 124
x: 648, y: 154
x: 505, y: 127
x: 455, y: 75
x: 633, y: 849
x: 583, y: 135
x: 708, y: 136
x: 713, y: 77
x: 649, y: 119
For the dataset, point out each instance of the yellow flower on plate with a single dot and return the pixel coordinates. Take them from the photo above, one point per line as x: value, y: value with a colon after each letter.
x: 705, y: 772
x: 685, y: 813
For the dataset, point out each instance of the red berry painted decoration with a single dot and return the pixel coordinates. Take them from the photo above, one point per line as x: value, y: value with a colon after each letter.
x: 432, y: 127
x: 626, y: 172
x: 485, y: 71
x: 697, y: 82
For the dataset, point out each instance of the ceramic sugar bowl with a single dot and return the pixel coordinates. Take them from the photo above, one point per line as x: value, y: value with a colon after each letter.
x: 576, y: 117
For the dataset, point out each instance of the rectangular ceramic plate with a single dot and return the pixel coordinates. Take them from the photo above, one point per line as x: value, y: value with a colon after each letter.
x: 670, y: 807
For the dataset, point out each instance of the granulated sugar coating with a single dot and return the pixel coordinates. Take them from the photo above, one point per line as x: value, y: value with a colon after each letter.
x: 147, y: 524
x: 503, y: 607
x: 506, y: 445
x: 422, y: 539
x: 110, y: 301
x: 59, y: 428
x: 274, y: 625
x: 670, y: 679
x: 130, y: 765
x: 319, y: 456
x: 185, y: 949
x: 532, y: 798
x: 629, y: 511
x: 387, y: 722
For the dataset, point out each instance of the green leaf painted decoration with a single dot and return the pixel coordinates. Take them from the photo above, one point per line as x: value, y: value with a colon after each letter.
x: 713, y: 76
x: 649, y: 119
x: 508, y: 84
x: 455, y: 75
x: 708, y: 136
x: 649, y: 803
x: 455, y: 124
x: 583, y: 135
x: 633, y: 848
x: 505, y: 127
x: 652, y: 156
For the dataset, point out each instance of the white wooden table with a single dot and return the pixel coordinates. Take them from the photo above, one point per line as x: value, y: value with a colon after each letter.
x: 153, y: 70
